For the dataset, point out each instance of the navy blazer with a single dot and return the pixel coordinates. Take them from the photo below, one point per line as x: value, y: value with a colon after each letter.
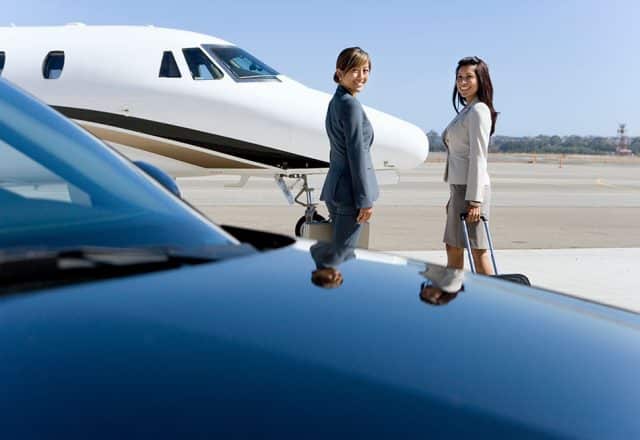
x: 351, y: 180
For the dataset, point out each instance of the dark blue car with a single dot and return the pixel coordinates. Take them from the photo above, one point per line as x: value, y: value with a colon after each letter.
x: 125, y: 313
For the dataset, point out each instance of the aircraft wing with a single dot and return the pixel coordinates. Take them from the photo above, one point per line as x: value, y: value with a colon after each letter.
x: 289, y: 181
x: 292, y: 180
x: 177, y: 168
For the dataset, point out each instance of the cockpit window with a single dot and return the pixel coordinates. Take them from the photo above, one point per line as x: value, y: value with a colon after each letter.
x: 168, y: 66
x: 200, y: 65
x: 239, y: 63
x: 53, y: 65
x: 1, y: 62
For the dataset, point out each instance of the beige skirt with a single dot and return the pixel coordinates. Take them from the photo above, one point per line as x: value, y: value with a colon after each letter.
x: 453, y: 235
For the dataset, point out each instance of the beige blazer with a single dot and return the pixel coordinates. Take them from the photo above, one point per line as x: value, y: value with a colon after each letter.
x: 467, y: 142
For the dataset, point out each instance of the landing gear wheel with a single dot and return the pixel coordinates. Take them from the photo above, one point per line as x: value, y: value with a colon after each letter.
x: 316, y: 218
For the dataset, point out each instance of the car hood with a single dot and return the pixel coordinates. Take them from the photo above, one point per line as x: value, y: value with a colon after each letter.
x: 251, y: 346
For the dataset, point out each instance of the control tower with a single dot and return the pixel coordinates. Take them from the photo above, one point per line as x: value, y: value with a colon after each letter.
x: 622, y: 146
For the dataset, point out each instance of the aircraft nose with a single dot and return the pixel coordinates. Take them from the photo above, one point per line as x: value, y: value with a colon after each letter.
x: 419, y: 147
x: 416, y: 147
x: 398, y: 143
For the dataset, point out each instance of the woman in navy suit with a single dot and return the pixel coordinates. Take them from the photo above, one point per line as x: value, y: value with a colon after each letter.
x: 467, y: 141
x: 351, y: 186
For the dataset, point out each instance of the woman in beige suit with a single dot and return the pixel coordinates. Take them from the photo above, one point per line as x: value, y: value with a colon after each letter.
x: 467, y: 142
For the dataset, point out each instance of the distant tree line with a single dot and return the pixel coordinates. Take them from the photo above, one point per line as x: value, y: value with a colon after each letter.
x: 546, y: 144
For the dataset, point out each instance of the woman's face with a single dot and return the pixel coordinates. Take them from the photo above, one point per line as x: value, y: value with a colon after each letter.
x: 354, y: 79
x: 467, y: 82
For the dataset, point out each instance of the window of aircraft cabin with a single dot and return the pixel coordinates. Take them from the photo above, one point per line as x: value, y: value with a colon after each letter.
x: 1, y: 62
x: 168, y: 66
x: 240, y: 63
x: 200, y: 65
x: 53, y: 64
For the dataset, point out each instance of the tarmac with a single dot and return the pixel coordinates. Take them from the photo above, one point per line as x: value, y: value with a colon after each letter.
x: 568, y: 222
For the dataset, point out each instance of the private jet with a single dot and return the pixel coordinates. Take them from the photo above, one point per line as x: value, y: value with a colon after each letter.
x: 194, y: 98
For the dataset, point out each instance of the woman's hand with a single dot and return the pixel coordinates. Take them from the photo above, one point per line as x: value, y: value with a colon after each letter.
x: 473, y: 214
x: 364, y: 215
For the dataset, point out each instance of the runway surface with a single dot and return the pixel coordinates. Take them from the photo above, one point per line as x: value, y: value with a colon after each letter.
x: 601, y: 275
x: 535, y: 206
x: 570, y: 225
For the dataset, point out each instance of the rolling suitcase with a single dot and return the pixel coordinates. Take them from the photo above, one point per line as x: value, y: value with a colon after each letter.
x: 513, y: 277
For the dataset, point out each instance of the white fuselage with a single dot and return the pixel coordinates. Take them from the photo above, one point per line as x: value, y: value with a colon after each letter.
x: 110, y: 84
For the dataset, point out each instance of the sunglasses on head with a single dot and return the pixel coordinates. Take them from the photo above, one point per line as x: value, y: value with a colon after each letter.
x: 470, y: 60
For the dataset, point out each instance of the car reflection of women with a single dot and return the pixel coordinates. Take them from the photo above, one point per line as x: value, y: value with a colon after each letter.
x: 350, y: 187
x: 327, y: 258
x: 467, y: 141
x: 442, y: 286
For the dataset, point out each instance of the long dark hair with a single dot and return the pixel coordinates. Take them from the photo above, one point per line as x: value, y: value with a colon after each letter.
x: 485, y: 88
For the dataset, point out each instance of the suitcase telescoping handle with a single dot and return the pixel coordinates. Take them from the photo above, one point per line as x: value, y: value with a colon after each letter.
x: 467, y: 242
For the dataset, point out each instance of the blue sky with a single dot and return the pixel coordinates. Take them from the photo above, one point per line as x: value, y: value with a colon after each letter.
x: 559, y: 67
